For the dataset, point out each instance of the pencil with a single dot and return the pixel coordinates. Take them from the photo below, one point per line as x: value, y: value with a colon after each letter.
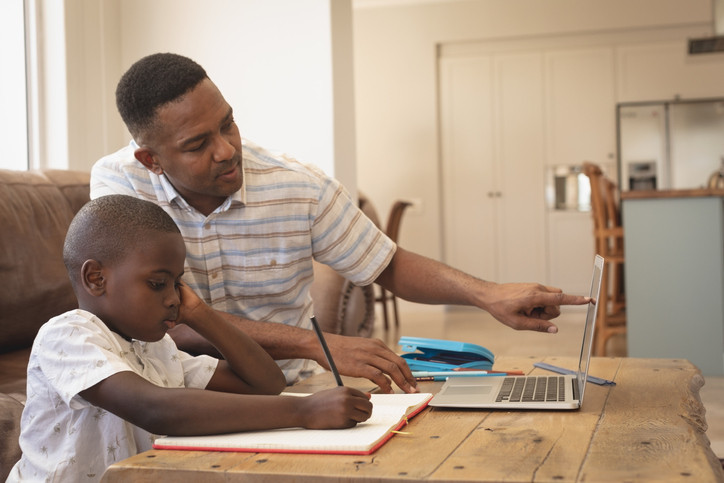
x: 325, y: 348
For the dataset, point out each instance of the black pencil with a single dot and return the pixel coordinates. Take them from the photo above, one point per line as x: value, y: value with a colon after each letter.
x: 325, y: 348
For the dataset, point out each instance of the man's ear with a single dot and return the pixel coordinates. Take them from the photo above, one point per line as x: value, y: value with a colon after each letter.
x: 92, y: 278
x: 146, y: 157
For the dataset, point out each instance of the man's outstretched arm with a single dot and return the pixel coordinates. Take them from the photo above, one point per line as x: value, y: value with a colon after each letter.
x: 522, y: 306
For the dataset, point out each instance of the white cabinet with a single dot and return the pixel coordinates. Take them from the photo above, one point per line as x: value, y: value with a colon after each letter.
x: 580, y: 106
x: 492, y: 151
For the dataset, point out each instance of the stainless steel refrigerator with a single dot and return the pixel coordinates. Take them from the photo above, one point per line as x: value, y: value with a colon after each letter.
x: 670, y: 144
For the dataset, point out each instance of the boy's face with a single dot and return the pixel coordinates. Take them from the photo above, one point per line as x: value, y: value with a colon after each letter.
x: 141, y: 299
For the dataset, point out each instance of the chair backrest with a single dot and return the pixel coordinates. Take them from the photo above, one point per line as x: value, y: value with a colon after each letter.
x: 395, y: 219
x: 607, y: 227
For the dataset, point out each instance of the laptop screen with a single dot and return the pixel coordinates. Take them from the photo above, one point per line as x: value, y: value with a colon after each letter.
x: 587, y: 345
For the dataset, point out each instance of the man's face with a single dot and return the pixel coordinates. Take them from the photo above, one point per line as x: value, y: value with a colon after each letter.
x: 197, y: 145
x: 141, y: 299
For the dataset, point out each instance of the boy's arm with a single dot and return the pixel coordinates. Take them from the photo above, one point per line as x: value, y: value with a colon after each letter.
x: 246, y: 368
x: 183, y: 411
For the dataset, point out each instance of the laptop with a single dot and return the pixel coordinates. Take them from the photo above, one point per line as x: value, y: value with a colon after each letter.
x: 527, y: 392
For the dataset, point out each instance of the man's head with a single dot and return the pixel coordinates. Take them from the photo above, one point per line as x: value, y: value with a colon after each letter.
x: 184, y: 127
x: 152, y: 82
x: 125, y: 257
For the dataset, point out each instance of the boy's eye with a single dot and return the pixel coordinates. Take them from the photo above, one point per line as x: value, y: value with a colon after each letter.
x: 156, y: 284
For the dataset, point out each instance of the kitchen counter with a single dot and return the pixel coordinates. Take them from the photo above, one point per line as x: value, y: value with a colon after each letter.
x: 674, y: 275
x: 688, y: 193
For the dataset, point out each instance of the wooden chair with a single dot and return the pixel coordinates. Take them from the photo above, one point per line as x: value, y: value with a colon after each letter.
x: 608, y: 235
x: 392, y: 230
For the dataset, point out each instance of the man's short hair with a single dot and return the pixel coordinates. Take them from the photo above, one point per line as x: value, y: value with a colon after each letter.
x: 152, y: 82
x: 108, y: 228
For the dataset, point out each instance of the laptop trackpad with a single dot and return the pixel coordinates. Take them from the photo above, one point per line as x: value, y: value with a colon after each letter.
x: 467, y: 390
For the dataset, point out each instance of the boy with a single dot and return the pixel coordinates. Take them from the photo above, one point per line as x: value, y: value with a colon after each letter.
x: 104, y: 378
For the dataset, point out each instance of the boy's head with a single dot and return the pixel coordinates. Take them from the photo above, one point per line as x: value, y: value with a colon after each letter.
x: 152, y: 82
x: 125, y: 258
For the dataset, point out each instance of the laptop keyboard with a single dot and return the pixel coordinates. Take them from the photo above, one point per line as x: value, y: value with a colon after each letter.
x: 532, y: 389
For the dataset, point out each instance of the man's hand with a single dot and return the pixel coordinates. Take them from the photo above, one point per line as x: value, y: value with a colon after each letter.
x: 528, y: 306
x: 371, y: 359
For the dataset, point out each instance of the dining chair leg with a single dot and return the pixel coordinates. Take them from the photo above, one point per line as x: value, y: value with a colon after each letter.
x: 383, y: 299
x: 394, y: 307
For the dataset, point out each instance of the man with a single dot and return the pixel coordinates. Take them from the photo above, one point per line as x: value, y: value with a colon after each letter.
x: 253, y: 221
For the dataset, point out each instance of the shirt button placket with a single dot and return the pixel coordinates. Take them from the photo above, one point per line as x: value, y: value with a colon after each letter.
x: 212, y: 254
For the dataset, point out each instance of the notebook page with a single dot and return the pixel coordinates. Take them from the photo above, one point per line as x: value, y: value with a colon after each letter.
x: 388, y: 410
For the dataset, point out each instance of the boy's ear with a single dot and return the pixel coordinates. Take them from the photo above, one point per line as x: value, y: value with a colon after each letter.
x: 92, y: 278
x: 146, y: 157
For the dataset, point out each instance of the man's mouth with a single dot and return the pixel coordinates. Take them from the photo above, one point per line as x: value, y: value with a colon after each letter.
x: 229, y: 172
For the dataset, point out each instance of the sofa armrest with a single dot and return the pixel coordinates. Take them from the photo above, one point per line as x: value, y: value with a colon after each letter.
x: 10, y: 411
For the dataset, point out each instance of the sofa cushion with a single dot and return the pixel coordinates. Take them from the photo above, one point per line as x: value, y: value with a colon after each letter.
x: 35, y: 211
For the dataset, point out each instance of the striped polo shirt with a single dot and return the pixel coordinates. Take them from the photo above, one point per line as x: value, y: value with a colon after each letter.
x: 252, y: 256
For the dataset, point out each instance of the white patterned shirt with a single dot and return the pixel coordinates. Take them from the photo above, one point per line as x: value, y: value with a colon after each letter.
x: 64, y: 437
x: 252, y: 257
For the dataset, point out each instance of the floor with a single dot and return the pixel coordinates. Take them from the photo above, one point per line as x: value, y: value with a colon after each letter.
x: 477, y: 327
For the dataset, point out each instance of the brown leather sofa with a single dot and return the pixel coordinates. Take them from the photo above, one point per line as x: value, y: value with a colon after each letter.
x: 35, y: 211
x: 36, y: 208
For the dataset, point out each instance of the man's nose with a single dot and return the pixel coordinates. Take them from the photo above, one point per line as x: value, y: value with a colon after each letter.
x: 223, y: 149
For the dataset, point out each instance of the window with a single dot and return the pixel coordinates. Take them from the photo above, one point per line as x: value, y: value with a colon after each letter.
x: 13, y: 87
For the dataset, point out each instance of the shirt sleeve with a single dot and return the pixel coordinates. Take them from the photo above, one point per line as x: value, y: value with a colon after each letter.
x: 198, y: 370
x: 75, y: 356
x: 345, y: 239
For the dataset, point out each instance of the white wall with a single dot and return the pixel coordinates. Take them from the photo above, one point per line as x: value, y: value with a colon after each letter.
x: 396, y: 43
x: 272, y: 61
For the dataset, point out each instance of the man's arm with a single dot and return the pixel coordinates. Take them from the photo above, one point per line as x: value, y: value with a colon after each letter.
x: 522, y: 306
x: 353, y: 356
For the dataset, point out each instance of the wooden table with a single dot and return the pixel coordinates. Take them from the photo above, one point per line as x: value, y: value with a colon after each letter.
x: 652, y: 432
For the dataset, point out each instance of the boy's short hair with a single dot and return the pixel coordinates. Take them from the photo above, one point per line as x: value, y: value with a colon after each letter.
x: 152, y: 82
x: 107, y: 228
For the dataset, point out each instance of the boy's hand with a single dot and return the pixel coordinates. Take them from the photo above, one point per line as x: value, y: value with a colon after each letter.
x: 340, y: 407
x: 191, y: 308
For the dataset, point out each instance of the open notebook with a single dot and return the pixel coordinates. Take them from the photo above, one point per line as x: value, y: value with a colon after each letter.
x: 528, y: 392
x: 390, y: 412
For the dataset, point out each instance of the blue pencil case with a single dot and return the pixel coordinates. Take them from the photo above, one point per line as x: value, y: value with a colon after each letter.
x: 422, y: 354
